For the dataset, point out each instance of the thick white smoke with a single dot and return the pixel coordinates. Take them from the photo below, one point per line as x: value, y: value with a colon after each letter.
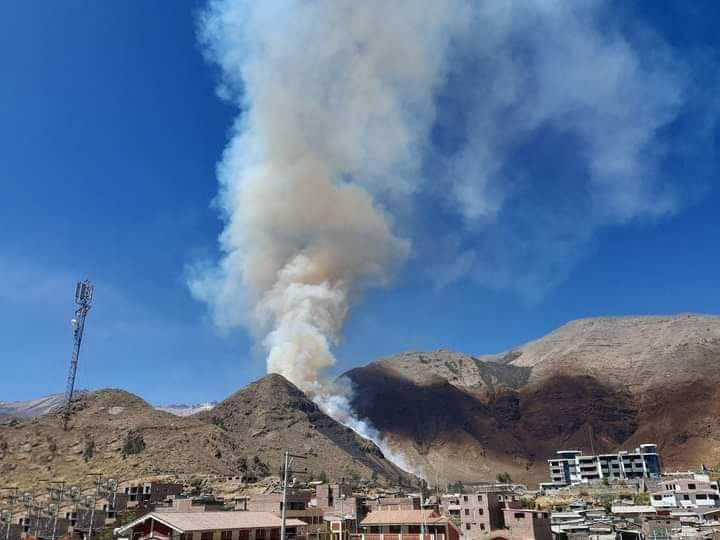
x: 338, y: 100
x: 336, y: 105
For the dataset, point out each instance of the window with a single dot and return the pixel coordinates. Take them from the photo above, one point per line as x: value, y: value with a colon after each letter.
x: 207, y: 535
x: 467, y: 512
x: 465, y: 498
x: 701, y: 497
x: 519, y: 515
x: 226, y: 535
x: 657, y: 497
x: 467, y: 526
x: 482, y: 526
x: 479, y: 498
x: 691, y: 486
x: 259, y: 533
x: 546, y: 515
x: 481, y: 511
x: 395, y: 529
x: 686, y: 497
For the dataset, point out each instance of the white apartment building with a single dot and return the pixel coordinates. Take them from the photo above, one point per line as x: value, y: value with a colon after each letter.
x: 695, y: 492
x: 574, y: 467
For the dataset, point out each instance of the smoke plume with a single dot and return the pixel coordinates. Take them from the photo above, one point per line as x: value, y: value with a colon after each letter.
x: 348, y: 109
x: 336, y: 107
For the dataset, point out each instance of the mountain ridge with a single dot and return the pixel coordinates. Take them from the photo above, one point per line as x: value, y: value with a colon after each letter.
x: 619, y: 381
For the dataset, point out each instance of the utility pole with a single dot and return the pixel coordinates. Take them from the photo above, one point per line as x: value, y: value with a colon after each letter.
x: 83, y: 299
x: 6, y: 516
x: 90, y: 501
x: 289, y: 458
x: 53, y: 511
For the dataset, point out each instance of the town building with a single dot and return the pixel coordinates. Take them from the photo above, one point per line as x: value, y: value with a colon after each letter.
x: 15, y: 531
x: 697, y: 491
x: 299, y: 506
x: 393, y: 503
x: 389, y: 524
x: 573, y: 467
x: 151, y: 492
x: 211, y: 526
x: 478, y: 513
x: 525, y: 524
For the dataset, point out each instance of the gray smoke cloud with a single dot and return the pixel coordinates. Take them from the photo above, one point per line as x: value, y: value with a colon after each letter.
x: 346, y: 110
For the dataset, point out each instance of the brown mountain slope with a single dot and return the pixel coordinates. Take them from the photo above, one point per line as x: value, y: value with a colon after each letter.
x: 616, y: 382
x: 101, y: 422
x: 260, y: 420
x: 273, y: 414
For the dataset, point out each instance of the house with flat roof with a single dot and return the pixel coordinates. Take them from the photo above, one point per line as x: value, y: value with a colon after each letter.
x: 228, y: 525
x: 478, y: 513
x: 526, y: 524
x: 686, y: 493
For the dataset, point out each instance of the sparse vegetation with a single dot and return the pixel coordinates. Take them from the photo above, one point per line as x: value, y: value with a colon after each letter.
x: 261, y: 469
x: 88, y: 450
x: 323, y: 477
x: 457, y: 487
x: 219, y: 422
x: 504, y: 478
x: 134, y: 443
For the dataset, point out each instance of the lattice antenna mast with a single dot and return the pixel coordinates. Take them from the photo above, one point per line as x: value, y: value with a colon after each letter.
x: 83, y: 299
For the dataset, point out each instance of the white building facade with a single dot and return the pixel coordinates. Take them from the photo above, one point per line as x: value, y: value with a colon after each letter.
x: 573, y: 467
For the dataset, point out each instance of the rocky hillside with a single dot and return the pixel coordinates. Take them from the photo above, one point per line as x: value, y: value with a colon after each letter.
x: 608, y: 383
x: 272, y: 414
x: 118, y: 434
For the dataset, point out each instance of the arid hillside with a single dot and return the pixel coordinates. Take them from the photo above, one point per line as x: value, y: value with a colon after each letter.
x: 118, y: 434
x: 605, y: 383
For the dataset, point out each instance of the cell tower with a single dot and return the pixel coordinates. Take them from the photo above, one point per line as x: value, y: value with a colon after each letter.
x: 83, y: 298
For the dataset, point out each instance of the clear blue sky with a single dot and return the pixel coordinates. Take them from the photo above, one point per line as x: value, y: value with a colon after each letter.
x: 109, y: 136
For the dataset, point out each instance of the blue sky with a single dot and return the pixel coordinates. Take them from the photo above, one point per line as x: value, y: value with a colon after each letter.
x: 111, y: 131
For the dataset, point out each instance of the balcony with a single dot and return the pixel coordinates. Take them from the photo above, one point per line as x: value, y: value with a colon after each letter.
x: 388, y: 536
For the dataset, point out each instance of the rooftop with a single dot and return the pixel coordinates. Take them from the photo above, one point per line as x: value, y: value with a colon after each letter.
x: 404, y: 517
x: 208, y: 521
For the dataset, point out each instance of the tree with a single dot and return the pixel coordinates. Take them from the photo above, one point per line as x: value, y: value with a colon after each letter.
x: 88, y: 450
x: 504, y: 478
x: 134, y: 443
x: 323, y: 477
x: 261, y: 469
x: 457, y: 487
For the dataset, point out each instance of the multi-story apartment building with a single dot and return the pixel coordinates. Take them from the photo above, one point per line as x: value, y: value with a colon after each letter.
x: 476, y: 514
x: 151, y: 492
x: 525, y: 524
x: 298, y: 506
x: 574, y: 467
x: 696, y: 492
